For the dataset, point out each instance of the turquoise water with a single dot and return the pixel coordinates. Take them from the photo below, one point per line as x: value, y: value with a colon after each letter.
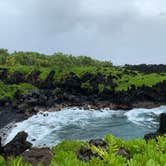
x: 50, y: 128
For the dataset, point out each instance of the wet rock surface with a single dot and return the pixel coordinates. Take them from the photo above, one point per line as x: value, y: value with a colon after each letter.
x: 162, y: 128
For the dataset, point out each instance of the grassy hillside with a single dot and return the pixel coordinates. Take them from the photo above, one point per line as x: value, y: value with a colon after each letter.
x: 63, y: 65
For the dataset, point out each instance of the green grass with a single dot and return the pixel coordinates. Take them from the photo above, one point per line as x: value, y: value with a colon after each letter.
x: 64, y: 64
x: 123, y: 80
x: 8, y: 90
x: 139, y: 80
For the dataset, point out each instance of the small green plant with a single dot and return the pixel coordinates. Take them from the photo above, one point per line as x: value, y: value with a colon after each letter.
x: 2, y: 161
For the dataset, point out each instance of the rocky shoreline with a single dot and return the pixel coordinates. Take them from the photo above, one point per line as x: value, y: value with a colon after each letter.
x: 20, y: 146
x: 10, y: 117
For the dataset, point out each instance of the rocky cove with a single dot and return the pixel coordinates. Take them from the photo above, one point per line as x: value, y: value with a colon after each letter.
x: 73, y: 123
x: 84, y: 107
x: 54, y: 96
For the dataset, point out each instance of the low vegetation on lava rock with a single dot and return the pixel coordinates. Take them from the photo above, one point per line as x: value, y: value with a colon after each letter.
x: 78, y: 79
x: 108, y: 152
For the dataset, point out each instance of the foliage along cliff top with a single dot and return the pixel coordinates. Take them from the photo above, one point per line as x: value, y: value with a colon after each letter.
x: 122, y: 77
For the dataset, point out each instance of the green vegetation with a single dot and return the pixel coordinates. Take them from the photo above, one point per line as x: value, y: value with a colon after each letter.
x: 63, y: 65
x: 103, y: 75
x: 8, y: 90
x: 138, y: 80
x: 141, y: 153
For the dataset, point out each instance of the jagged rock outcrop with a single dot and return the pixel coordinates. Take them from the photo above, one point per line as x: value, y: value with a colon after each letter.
x: 161, y: 131
x: 162, y: 128
x: 71, y: 83
x: 18, y: 145
x: 48, y: 83
x: 16, y: 78
x: 1, y: 147
x: 33, y: 77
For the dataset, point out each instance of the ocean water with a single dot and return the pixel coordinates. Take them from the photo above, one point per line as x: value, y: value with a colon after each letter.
x: 50, y: 128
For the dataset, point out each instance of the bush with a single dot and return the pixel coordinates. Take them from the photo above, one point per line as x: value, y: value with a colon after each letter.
x: 141, y: 153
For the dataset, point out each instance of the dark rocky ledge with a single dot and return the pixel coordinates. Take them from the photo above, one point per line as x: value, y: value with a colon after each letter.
x: 160, y: 132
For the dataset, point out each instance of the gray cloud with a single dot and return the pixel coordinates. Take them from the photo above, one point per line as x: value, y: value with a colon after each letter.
x: 130, y: 31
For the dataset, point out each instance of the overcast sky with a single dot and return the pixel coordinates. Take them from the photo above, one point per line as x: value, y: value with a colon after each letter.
x: 124, y: 31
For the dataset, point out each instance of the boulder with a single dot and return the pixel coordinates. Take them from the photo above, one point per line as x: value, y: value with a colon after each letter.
x: 85, y: 154
x: 98, y: 143
x: 161, y: 131
x: 18, y: 145
x: 162, y: 128
x: 16, y: 77
x: 124, y: 153
x: 86, y: 77
x: 17, y: 94
x: 150, y: 136
x: 71, y: 83
x: 22, y: 107
x: 33, y: 77
x: 35, y: 156
x: 71, y: 98
x: 1, y: 148
x: 6, y: 101
x: 49, y: 81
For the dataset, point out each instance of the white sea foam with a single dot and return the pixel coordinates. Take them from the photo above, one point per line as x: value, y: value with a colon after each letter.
x: 143, y: 116
x: 52, y: 127
x: 40, y: 126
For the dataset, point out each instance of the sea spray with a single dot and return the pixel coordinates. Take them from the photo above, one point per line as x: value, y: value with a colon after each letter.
x: 50, y: 128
